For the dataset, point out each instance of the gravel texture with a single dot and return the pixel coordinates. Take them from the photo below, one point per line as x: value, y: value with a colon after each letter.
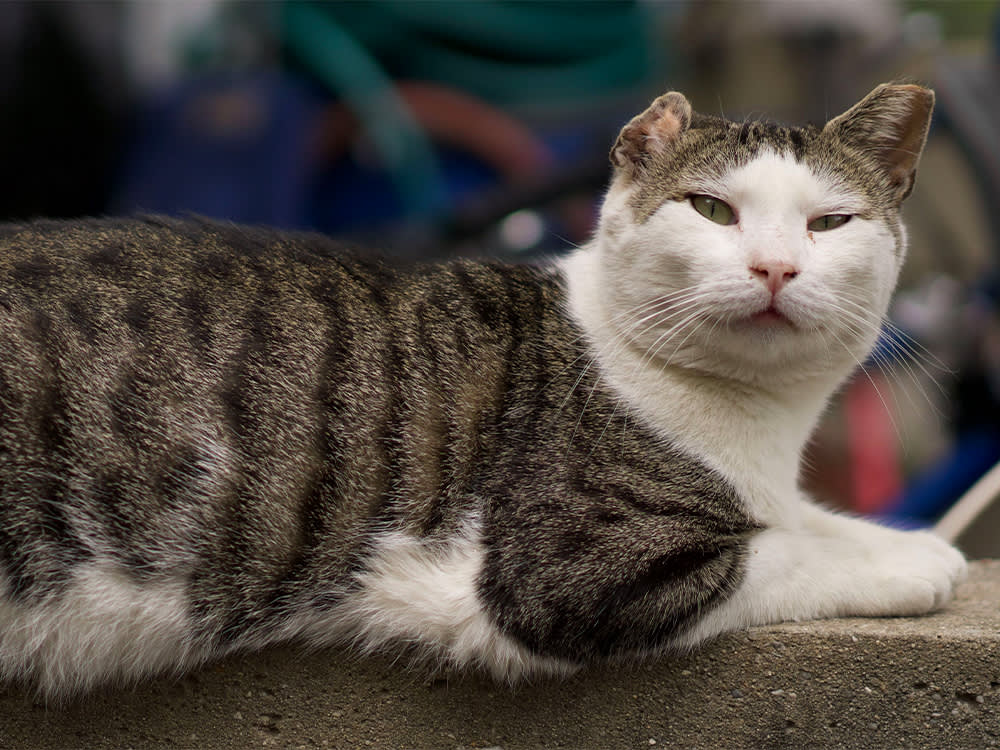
x: 931, y: 682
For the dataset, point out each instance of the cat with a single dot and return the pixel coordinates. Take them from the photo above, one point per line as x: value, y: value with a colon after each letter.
x: 214, y: 437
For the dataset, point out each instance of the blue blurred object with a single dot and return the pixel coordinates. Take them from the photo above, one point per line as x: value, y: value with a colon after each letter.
x: 227, y: 146
x: 243, y: 147
x: 348, y: 70
x: 932, y: 492
x: 334, y: 144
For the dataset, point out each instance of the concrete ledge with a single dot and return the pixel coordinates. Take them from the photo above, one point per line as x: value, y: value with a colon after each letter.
x: 929, y: 682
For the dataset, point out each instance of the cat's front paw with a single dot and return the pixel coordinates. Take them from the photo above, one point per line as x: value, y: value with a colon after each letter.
x: 838, y: 567
x: 891, y: 572
x: 911, y: 573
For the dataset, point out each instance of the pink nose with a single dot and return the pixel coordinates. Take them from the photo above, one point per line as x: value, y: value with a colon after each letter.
x: 774, y: 274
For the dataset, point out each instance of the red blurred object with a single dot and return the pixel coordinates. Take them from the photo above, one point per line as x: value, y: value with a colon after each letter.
x: 876, y: 478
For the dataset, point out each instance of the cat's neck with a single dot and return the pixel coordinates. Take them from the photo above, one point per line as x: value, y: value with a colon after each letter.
x: 751, y: 433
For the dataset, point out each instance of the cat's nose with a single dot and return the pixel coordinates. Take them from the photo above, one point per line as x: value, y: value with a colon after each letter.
x: 774, y: 274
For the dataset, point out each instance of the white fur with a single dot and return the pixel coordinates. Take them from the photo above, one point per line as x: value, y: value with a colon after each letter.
x: 744, y: 396
x: 105, y: 626
x: 835, y: 566
x: 425, y: 595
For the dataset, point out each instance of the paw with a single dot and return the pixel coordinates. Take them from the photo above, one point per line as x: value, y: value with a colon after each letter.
x: 842, y: 567
x: 910, y: 573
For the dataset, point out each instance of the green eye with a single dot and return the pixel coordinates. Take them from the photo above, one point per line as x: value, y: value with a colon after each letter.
x: 713, y: 209
x: 830, y: 221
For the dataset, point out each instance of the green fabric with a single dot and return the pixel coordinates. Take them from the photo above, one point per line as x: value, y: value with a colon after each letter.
x: 507, y: 52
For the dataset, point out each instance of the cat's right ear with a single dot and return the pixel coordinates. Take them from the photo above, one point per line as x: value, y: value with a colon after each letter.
x: 889, y: 125
x: 652, y: 133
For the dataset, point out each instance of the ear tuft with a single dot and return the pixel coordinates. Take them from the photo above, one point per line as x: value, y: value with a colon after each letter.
x: 891, y: 123
x: 652, y: 133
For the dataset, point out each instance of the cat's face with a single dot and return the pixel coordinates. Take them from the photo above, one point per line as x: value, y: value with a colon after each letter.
x: 754, y: 251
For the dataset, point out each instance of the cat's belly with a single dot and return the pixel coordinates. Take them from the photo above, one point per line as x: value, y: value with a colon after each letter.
x: 427, y: 595
x: 103, y: 625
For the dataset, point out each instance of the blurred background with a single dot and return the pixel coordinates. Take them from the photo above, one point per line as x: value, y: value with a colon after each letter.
x: 436, y: 129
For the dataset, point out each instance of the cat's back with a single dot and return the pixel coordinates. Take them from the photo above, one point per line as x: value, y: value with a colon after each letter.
x: 139, y: 330
x: 160, y: 378
x: 163, y: 377
x: 208, y: 294
x: 171, y: 263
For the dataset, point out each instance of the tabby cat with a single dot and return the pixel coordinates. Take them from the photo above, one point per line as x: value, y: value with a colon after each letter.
x: 214, y: 438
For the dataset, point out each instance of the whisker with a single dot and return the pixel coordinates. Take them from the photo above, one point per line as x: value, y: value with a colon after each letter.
x: 906, y: 358
x: 677, y: 302
x: 878, y: 391
x: 642, y: 313
x: 664, y: 338
x: 583, y: 409
x: 608, y: 424
x: 917, y: 350
x: 632, y: 332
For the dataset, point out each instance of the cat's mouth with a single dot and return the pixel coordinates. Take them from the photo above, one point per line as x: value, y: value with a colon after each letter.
x: 772, y: 316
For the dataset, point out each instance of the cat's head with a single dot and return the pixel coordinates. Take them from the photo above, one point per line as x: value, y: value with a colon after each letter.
x: 753, y: 250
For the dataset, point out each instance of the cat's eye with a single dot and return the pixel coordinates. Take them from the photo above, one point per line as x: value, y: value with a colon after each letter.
x: 713, y: 209
x: 830, y: 221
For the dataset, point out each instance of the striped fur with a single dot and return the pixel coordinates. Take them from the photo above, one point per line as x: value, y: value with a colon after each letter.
x: 247, y: 415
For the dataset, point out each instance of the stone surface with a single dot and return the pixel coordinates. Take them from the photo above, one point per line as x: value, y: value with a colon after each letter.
x: 931, y: 682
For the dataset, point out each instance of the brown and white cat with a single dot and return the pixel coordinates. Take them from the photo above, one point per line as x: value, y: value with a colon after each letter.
x: 213, y: 438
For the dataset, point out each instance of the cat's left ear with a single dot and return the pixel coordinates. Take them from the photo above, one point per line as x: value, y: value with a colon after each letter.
x: 652, y: 133
x: 890, y: 124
